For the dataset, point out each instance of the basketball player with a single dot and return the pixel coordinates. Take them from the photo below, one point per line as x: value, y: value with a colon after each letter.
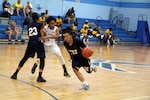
x: 52, y: 33
x: 34, y: 46
x: 74, y: 47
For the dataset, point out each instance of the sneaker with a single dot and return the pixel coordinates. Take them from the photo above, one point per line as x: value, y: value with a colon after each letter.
x: 40, y: 79
x: 66, y: 74
x: 14, y: 76
x: 85, y: 87
x: 16, y: 42
x: 9, y: 42
x: 33, y: 68
x: 94, y: 69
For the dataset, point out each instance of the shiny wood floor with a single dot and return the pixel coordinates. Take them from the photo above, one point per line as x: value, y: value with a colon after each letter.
x: 123, y: 74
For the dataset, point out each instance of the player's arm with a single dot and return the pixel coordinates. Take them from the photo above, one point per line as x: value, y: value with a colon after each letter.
x: 43, y: 33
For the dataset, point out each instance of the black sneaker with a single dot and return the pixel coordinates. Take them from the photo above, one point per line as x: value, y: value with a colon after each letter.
x: 22, y: 41
x: 16, y: 42
x: 40, y: 79
x: 9, y: 42
x: 14, y: 76
x: 33, y: 68
x: 66, y: 74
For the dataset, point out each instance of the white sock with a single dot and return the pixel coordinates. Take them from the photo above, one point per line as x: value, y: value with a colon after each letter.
x: 85, y: 83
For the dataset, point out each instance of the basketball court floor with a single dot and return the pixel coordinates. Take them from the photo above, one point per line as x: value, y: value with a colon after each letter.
x: 123, y: 73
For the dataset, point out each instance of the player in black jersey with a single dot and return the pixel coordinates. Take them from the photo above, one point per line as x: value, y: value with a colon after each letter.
x: 74, y: 46
x: 35, y: 30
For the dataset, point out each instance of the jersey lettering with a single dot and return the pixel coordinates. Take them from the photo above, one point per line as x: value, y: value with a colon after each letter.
x: 73, y: 52
x: 32, y: 31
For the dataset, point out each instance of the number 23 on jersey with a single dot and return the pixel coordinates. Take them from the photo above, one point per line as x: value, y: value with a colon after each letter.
x: 32, y: 31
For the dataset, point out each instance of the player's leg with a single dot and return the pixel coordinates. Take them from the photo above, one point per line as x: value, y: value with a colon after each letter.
x: 113, y: 39
x: 56, y: 50
x: 17, y: 10
x: 41, y: 54
x: 42, y: 64
x: 37, y: 63
x: 105, y: 39
x: 81, y: 78
x: 24, y: 59
x: 16, y: 36
x: 9, y: 33
x: 86, y: 39
x: 87, y: 66
x: 35, y: 66
x: 29, y: 53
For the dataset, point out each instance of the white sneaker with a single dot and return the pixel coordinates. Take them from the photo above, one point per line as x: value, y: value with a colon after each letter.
x: 85, y: 87
x: 94, y: 68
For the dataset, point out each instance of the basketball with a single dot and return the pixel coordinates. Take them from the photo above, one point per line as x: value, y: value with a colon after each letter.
x: 87, y: 52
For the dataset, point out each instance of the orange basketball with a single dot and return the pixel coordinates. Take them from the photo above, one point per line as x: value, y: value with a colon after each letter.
x: 87, y: 52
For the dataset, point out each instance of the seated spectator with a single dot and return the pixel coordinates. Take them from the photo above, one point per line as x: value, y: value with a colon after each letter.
x: 42, y: 18
x: 70, y: 15
x: 18, y: 8
x: 11, y: 30
x: 27, y: 10
x: 27, y: 20
x: 74, y: 27
x: 86, y: 24
x: 109, y: 36
x: 84, y: 35
x: 59, y: 21
x: 7, y: 7
x: 96, y: 33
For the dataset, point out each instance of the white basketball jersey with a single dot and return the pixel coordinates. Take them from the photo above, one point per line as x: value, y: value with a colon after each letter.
x: 50, y: 32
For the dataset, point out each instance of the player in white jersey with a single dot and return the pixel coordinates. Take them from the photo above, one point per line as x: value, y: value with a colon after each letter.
x: 52, y: 33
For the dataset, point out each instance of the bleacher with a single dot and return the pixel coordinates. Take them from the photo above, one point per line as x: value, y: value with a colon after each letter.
x: 120, y: 34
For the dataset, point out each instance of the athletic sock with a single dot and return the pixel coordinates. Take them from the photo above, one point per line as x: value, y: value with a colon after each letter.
x: 16, y: 72
x: 64, y: 67
x: 40, y: 74
x: 85, y: 83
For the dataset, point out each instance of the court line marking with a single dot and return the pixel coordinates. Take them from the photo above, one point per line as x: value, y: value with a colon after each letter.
x: 126, y: 77
x: 33, y: 86
x: 114, y: 63
x: 120, y: 62
x: 113, y: 69
x: 113, y: 66
x: 131, y: 63
x: 136, y: 98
